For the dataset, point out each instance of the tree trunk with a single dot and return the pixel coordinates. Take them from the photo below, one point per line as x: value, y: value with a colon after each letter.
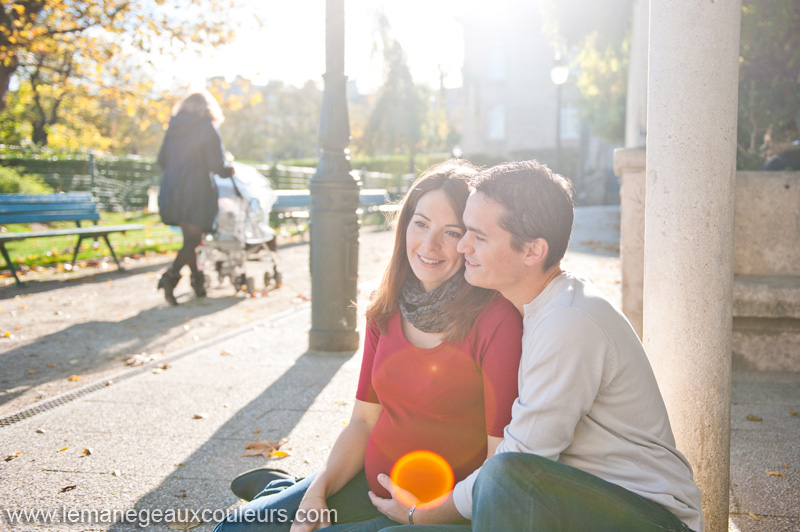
x: 39, y: 134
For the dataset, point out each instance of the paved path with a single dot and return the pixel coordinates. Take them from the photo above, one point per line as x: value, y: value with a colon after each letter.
x: 171, y: 439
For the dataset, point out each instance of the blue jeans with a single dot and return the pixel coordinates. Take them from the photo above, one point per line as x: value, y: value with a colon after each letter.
x: 527, y: 493
x: 274, y: 509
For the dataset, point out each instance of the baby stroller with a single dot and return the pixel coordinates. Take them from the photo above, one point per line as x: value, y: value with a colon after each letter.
x: 242, y: 232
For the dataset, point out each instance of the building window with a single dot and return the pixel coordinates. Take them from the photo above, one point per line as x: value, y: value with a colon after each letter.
x: 570, y: 123
x: 497, y: 62
x: 496, y: 123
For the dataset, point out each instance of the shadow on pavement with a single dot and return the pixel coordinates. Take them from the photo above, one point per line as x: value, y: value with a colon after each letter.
x: 92, y: 346
x: 286, y: 401
x: 55, y: 281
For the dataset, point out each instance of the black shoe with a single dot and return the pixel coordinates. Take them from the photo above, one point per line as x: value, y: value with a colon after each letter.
x: 247, y: 485
x: 199, y: 283
x: 168, y: 282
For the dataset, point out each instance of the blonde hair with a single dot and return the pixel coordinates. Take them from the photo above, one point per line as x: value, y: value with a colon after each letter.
x: 200, y: 103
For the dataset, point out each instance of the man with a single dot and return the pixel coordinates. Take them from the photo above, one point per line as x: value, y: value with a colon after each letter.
x: 589, y: 446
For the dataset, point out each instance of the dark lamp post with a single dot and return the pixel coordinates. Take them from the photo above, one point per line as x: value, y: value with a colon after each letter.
x: 559, y: 75
x: 334, y: 201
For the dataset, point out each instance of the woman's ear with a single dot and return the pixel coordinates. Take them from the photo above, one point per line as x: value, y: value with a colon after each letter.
x: 536, y: 252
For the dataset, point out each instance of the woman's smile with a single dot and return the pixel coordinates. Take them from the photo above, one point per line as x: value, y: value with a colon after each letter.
x: 431, y: 240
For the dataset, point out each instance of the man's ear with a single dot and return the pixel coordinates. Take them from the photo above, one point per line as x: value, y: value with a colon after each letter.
x: 536, y: 252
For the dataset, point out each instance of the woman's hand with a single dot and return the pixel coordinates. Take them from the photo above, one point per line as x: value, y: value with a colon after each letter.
x: 392, y: 507
x: 438, y: 511
x: 312, y: 514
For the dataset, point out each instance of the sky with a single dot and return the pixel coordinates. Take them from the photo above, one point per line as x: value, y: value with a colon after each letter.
x: 285, y: 40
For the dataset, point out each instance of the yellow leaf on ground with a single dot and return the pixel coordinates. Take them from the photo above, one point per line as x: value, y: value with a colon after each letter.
x: 74, y: 377
x: 754, y: 516
x: 751, y: 417
x: 278, y: 454
x: 264, y: 448
x: 225, y: 353
x: 793, y: 412
x: 62, y: 449
x: 12, y: 456
x: 775, y: 474
x: 200, y: 416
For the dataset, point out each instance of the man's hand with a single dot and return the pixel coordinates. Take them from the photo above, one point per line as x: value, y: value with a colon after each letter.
x: 312, y: 515
x: 393, y: 508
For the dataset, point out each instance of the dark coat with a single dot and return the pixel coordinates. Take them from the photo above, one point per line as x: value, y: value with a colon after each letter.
x: 191, y: 152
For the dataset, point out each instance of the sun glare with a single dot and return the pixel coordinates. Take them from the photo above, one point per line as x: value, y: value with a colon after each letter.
x: 424, y: 474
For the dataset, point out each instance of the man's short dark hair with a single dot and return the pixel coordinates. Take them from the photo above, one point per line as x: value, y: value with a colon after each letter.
x: 538, y: 204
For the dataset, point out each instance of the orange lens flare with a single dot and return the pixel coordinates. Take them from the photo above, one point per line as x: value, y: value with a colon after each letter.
x: 424, y: 474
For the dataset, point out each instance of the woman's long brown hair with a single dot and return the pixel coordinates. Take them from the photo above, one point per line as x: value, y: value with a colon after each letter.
x: 452, y: 177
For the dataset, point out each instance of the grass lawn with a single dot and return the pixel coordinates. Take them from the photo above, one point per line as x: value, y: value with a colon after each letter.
x: 155, y: 237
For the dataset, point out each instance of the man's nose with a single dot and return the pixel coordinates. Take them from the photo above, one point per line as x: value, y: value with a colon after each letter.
x: 464, y: 245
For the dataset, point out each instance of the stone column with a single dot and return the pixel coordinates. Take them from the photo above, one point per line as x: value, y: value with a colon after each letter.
x: 629, y: 166
x: 688, y: 273
x: 636, y: 101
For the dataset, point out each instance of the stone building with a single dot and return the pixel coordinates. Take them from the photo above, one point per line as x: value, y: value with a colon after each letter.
x: 511, y: 107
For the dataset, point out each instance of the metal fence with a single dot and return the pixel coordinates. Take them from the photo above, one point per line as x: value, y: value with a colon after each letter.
x: 122, y: 183
x: 118, y: 183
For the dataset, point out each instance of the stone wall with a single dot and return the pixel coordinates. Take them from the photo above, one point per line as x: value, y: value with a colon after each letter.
x: 766, y: 291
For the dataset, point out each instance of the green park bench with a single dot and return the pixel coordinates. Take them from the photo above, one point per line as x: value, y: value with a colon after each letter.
x: 45, y: 208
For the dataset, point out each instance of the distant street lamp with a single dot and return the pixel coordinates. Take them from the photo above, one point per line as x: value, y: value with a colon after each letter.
x: 334, y: 201
x: 559, y: 74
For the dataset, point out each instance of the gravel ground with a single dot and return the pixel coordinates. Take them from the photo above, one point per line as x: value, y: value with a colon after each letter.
x: 69, y: 328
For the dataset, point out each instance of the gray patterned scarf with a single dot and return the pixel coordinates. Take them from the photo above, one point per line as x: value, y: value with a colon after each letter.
x: 425, y: 310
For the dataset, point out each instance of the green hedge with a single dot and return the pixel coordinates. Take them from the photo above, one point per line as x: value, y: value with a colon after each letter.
x: 13, y: 182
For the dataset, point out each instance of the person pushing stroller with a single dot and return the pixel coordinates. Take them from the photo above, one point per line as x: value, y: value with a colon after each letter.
x: 191, y: 153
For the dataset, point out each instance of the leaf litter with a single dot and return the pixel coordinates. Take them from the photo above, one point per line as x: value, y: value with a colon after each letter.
x: 266, y: 448
x: 139, y: 359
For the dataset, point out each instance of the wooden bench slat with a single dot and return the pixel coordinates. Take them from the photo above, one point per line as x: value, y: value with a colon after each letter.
x: 95, y: 230
x: 70, y: 197
x: 47, y: 217
x: 11, y: 208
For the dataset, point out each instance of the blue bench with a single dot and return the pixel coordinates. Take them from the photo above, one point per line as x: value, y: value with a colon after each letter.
x: 44, y: 208
x: 296, y: 203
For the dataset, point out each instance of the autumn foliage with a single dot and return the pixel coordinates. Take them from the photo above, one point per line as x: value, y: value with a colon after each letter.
x: 76, y: 61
